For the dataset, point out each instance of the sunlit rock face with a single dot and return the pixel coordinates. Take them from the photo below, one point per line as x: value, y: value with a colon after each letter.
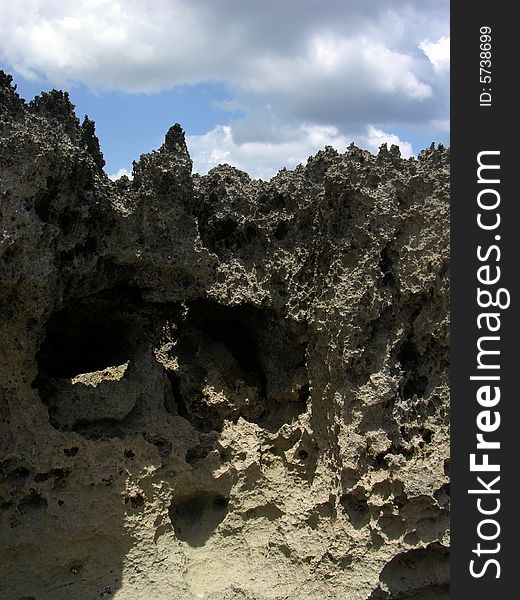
x: 218, y: 387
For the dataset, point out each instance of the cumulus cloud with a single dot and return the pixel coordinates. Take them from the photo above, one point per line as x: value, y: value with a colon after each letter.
x: 301, y: 74
x: 263, y: 159
x: 119, y: 173
x: 262, y: 47
x: 376, y: 137
x: 260, y: 159
x: 438, y: 53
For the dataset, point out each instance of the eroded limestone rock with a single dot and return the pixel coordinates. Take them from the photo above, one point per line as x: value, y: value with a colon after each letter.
x: 218, y: 387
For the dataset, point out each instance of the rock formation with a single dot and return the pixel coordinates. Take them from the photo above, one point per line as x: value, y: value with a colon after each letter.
x: 218, y: 387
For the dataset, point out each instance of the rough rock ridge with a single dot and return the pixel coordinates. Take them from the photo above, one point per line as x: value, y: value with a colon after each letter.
x: 218, y: 387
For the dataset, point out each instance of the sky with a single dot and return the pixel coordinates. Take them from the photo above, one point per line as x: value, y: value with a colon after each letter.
x: 260, y: 85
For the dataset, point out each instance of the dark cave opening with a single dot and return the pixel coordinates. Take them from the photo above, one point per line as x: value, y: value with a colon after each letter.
x: 233, y: 361
x: 85, y: 336
x: 194, y: 518
x: 236, y: 327
x: 88, y: 334
x: 224, y: 229
x: 263, y: 346
x: 386, y: 263
x: 411, y: 361
x: 281, y: 231
x: 211, y: 336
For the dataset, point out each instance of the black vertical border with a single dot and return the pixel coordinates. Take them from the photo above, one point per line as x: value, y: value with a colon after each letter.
x: 474, y: 129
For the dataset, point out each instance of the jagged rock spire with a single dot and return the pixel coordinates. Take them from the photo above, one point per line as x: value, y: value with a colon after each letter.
x: 10, y: 101
x: 88, y: 132
x: 174, y: 140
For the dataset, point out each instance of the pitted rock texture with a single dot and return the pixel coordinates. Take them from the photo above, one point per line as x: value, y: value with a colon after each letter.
x: 218, y: 387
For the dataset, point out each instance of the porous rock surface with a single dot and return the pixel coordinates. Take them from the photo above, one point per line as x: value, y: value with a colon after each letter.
x: 218, y: 387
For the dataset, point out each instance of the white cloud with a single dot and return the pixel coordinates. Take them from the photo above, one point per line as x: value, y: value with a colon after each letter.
x: 438, y: 53
x: 115, y: 176
x: 264, y: 159
x: 315, y: 73
x: 134, y: 46
x: 358, y: 64
x: 376, y: 137
x: 338, y: 81
x: 260, y: 159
